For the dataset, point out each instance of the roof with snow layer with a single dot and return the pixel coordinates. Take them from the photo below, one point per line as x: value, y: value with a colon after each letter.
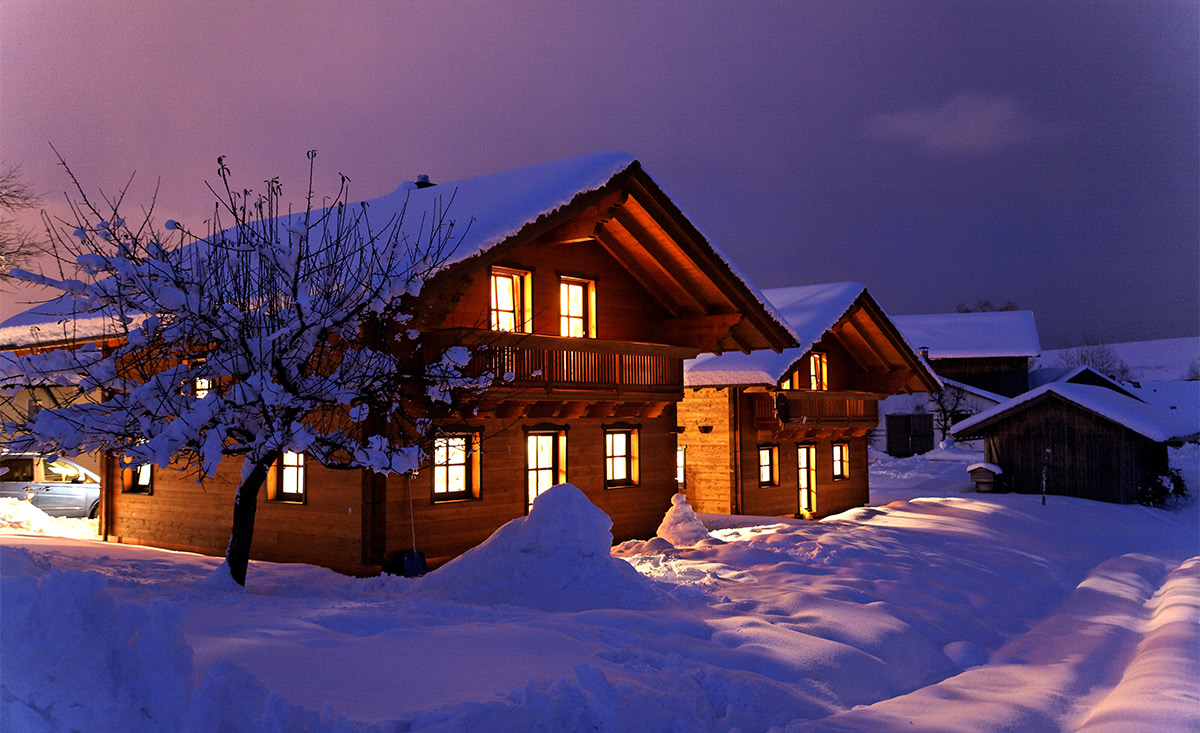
x: 972, y: 335
x: 1150, y: 421
x: 508, y: 207
x: 813, y: 311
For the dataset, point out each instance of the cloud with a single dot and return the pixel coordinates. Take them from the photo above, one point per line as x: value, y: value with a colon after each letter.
x: 969, y: 123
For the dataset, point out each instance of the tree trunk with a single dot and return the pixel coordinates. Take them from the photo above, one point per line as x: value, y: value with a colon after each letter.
x: 245, y: 504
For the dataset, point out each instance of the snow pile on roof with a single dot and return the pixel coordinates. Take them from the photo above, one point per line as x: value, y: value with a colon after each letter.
x: 968, y: 335
x: 680, y: 526
x: 18, y: 515
x: 1150, y: 421
x: 555, y: 559
x: 810, y: 310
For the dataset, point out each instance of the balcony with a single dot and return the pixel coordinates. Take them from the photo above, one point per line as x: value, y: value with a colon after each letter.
x: 814, y: 414
x: 540, y: 367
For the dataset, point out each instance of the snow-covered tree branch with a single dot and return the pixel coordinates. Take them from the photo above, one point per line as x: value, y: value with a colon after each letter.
x: 275, y: 331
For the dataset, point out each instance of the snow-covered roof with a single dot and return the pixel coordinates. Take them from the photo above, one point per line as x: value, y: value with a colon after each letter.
x: 1150, y: 421
x: 974, y: 391
x: 487, y: 210
x: 1181, y: 398
x: 810, y: 310
x: 972, y: 335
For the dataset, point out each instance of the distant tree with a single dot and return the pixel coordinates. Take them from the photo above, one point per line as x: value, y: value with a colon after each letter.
x: 284, y: 332
x: 1098, y: 356
x: 985, y: 306
x: 951, y: 405
x: 1192, y: 373
x: 18, y: 245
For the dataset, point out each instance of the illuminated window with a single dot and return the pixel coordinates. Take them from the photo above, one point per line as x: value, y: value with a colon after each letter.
x: 455, y: 467
x: 806, y: 460
x: 546, y: 462
x: 841, y: 460
x: 510, y: 300
x: 575, y: 298
x: 818, y: 372
x: 768, y: 465
x: 136, y: 479
x: 620, y: 456
x: 289, y: 482
x: 681, y: 465
x: 201, y: 387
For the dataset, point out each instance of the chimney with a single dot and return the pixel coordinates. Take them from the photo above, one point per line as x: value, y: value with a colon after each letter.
x: 924, y: 352
x: 423, y: 181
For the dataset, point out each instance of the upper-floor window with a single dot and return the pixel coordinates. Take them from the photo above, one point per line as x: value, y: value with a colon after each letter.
x: 768, y: 465
x: 455, y: 467
x: 841, y: 460
x: 510, y: 309
x: 818, y: 372
x: 620, y: 456
x: 575, y: 307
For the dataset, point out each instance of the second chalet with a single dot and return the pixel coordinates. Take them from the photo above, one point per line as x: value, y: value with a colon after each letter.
x: 785, y: 433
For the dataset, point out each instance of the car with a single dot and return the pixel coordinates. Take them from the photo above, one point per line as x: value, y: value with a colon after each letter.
x: 58, y: 486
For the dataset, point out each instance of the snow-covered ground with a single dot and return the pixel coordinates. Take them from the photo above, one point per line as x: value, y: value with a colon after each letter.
x: 1158, y: 360
x: 937, y: 609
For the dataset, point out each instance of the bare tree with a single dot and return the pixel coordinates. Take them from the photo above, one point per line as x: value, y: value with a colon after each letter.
x: 985, y: 306
x: 1098, y: 356
x: 18, y: 244
x: 951, y: 405
x: 284, y: 332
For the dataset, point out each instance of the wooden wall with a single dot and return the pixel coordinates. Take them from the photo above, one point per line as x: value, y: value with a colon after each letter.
x: 183, y: 515
x: 1090, y: 457
x: 1008, y: 375
x: 625, y: 311
x: 709, y: 468
x: 446, y: 529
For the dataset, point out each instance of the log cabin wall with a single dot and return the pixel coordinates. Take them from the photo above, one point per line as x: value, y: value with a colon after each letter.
x: 832, y: 495
x: 1090, y: 458
x: 709, y: 455
x: 1004, y: 375
x: 445, y: 529
x: 179, y: 514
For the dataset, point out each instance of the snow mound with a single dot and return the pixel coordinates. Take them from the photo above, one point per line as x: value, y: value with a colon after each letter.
x: 556, y: 559
x: 681, y: 526
x: 19, y: 516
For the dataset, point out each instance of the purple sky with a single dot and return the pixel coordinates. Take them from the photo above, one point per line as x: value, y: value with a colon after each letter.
x: 938, y: 152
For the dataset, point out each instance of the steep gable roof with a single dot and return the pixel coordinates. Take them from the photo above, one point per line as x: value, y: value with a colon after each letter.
x: 501, y: 210
x: 972, y: 335
x: 814, y: 312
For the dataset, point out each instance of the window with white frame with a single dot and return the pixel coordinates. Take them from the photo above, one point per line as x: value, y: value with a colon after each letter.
x: 681, y: 465
x: 806, y: 462
x: 545, y: 462
x: 575, y: 308
x: 818, y: 372
x: 455, y: 467
x: 510, y: 306
x: 841, y: 461
x: 768, y: 465
x: 620, y: 456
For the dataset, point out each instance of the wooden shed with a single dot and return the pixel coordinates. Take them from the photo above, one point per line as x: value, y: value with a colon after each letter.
x: 1082, y: 440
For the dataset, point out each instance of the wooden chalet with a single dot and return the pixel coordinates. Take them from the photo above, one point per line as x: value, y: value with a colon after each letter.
x: 785, y: 434
x: 1082, y: 436
x: 590, y: 288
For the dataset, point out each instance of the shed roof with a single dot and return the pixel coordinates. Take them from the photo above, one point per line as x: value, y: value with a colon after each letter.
x: 972, y: 335
x: 1150, y: 421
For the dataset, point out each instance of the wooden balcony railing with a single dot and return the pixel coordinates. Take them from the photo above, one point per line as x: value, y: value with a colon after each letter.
x: 554, y: 364
x: 825, y: 411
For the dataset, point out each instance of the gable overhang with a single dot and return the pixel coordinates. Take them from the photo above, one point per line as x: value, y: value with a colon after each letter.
x: 711, y: 307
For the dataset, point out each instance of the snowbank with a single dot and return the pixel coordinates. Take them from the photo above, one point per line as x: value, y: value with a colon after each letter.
x: 555, y: 559
x: 18, y: 515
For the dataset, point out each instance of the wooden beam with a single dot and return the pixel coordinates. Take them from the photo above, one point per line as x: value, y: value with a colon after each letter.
x: 705, y: 332
x: 687, y: 282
